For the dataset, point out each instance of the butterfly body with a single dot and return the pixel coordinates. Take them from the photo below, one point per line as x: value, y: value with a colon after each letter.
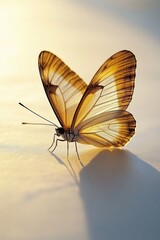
x: 67, y: 135
x: 93, y: 114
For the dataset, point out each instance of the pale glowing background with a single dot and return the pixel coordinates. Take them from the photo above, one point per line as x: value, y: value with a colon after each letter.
x: 119, y: 194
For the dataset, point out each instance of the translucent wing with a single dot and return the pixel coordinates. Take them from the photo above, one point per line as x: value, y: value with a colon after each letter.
x: 111, y: 129
x: 110, y: 89
x: 63, y: 87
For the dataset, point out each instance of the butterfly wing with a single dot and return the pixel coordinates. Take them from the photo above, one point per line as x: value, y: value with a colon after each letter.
x: 108, y: 129
x: 110, y: 89
x: 63, y: 87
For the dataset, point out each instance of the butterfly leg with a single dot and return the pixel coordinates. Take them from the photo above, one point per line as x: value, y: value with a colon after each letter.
x: 78, y: 154
x: 72, y: 169
x: 67, y: 150
x: 61, y: 140
x: 53, y: 141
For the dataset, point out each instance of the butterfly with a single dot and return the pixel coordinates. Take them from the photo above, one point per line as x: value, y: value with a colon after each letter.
x: 93, y: 114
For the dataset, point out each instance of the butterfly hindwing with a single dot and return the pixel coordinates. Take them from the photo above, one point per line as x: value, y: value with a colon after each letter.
x: 108, y: 129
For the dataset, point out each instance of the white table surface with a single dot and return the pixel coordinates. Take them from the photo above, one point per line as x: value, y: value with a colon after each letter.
x: 118, y: 195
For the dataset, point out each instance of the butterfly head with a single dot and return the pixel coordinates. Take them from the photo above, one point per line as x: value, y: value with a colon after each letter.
x: 60, y: 131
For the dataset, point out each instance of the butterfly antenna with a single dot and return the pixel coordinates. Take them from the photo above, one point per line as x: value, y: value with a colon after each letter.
x: 51, y: 123
x: 33, y: 123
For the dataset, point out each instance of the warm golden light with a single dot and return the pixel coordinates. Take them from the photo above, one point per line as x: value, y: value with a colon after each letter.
x: 118, y: 192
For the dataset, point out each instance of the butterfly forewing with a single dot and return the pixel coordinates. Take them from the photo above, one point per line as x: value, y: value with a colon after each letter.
x: 115, y: 78
x: 64, y: 88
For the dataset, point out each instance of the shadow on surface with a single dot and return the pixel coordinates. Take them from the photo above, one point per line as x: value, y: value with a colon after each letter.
x: 121, y: 196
